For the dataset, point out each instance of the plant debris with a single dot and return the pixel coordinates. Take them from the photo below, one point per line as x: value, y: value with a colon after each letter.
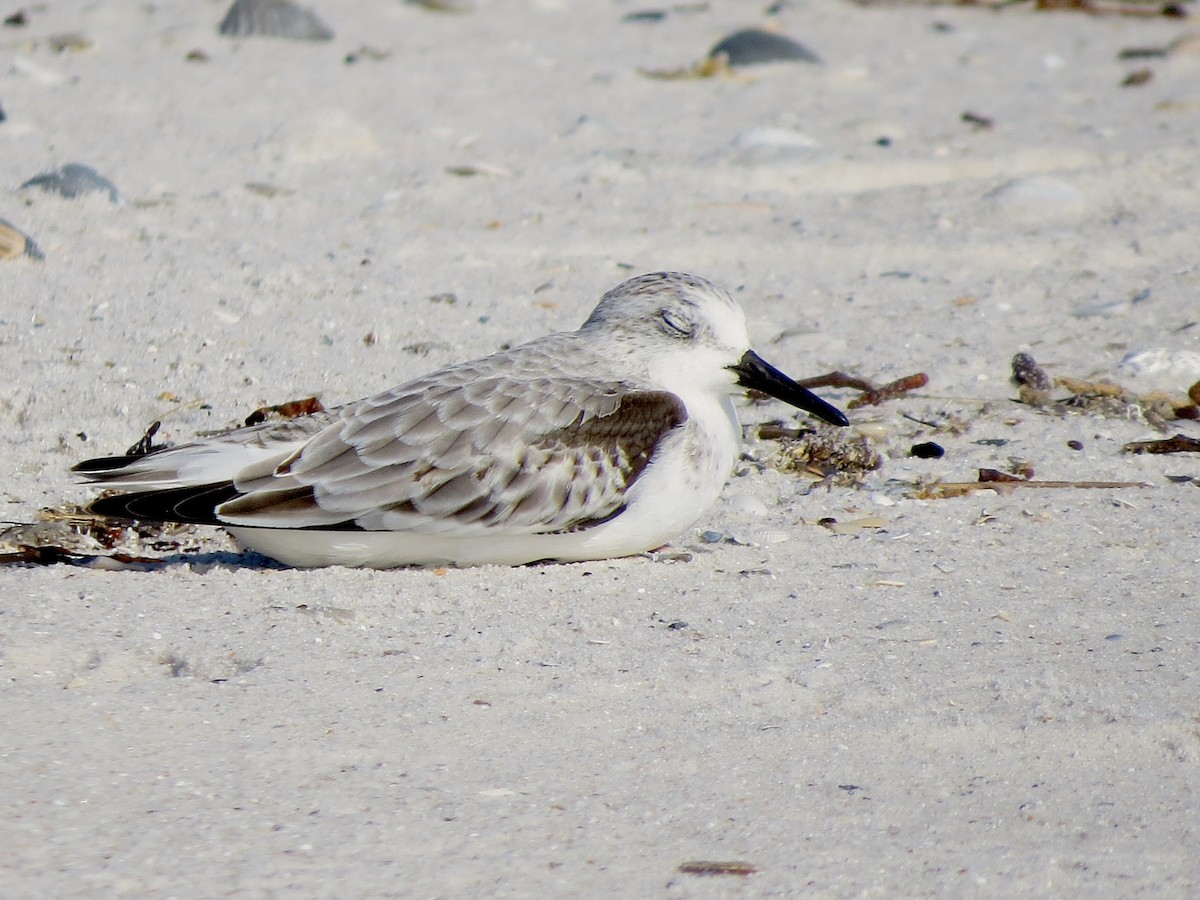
x: 713, y: 867
x: 145, y: 444
x: 1180, y: 443
x: 828, y: 453
x: 1103, y: 397
x: 1136, y: 8
x: 978, y: 122
x: 709, y: 67
x: 1003, y: 483
x: 71, y: 534
x: 293, y: 409
x: 872, y: 393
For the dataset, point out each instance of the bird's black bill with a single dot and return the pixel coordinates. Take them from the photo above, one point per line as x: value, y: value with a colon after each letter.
x: 757, y: 374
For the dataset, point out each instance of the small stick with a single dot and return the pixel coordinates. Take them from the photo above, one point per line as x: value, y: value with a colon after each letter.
x: 991, y: 480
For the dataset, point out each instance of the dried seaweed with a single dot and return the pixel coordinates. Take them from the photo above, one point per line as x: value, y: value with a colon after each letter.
x: 291, y: 410
x: 709, y: 67
x: 1099, y: 397
x: 1135, y: 8
x: 713, y: 867
x: 1179, y: 443
x: 833, y: 454
x: 145, y: 443
x: 72, y: 534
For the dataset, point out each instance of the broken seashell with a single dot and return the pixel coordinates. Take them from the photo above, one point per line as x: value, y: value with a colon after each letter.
x: 754, y: 47
x: 273, y: 18
x: 14, y: 242
x: 74, y: 180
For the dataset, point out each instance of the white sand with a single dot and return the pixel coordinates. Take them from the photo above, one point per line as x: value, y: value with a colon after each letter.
x: 992, y: 696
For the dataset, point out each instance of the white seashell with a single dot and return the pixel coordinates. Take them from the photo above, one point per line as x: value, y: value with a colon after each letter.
x: 323, y: 136
x: 1037, y: 198
x: 1160, y: 369
x: 47, y: 77
x: 774, y: 137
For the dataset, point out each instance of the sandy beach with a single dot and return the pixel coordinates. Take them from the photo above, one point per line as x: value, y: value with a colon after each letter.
x: 885, y: 688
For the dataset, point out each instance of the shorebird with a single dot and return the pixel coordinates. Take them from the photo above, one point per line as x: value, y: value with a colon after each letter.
x: 602, y: 442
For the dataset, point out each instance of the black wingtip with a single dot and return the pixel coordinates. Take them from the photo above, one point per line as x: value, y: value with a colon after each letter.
x: 192, y: 505
x: 102, y: 464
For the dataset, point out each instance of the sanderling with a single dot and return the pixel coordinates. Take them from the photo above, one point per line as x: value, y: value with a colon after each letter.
x: 602, y: 442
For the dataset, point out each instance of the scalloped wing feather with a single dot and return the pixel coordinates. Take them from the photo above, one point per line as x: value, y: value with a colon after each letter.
x: 498, y: 452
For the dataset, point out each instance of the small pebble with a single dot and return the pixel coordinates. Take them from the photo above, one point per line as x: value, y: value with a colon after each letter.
x: 754, y: 47
x: 712, y: 537
x: 1075, y: 445
x: 927, y: 450
x: 74, y: 180
x: 1028, y: 373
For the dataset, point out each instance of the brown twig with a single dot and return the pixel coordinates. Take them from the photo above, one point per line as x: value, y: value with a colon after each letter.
x: 1003, y: 483
x: 872, y: 393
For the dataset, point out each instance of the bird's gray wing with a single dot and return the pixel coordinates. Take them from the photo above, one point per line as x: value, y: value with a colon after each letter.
x: 464, y: 452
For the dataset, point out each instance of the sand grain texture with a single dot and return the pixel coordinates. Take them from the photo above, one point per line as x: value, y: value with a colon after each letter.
x: 990, y: 695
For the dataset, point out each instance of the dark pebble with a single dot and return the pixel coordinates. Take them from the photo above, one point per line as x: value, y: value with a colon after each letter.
x: 1075, y: 445
x: 927, y: 450
x: 74, y: 180
x: 753, y: 47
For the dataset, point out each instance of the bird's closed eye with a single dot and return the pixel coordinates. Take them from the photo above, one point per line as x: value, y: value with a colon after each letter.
x: 675, y: 326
